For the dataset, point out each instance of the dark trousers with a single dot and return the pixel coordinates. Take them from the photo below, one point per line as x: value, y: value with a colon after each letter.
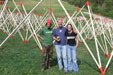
x: 47, y: 56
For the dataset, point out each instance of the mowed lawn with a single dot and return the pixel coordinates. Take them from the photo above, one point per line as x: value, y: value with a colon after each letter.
x: 18, y: 58
x: 57, y: 10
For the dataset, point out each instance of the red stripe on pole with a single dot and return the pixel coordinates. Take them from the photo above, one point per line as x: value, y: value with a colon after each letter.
x: 101, y: 71
x: 32, y: 13
x: 107, y: 55
x: 17, y: 12
x: 22, y: 13
x: 87, y: 3
x: 5, y: 32
x: 89, y: 39
x: 39, y: 14
x: 11, y: 36
x: 33, y: 34
x: 61, y: 17
x: 38, y: 30
x: 42, y: 51
x: 97, y: 19
x: 77, y: 9
x: 50, y: 10
x: 81, y: 42
x: 7, y: 7
x: 25, y: 30
x: 105, y: 70
x: 25, y: 41
x: 68, y: 14
x: 99, y: 14
x: 1, y: 2
x: 2, y: 29
x: 20, y: 3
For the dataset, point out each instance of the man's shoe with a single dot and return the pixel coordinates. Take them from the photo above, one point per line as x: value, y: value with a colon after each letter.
x: 42, y: 70
x: 69, y: 71
x: 65, y: 71
x: 60, y: 69
x: 49, y: 67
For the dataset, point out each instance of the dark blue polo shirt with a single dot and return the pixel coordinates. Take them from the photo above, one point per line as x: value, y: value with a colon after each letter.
x: 60, y: 33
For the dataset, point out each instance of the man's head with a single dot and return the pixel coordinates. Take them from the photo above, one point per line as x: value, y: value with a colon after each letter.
x: 59, y: 23
x: 48, y: 23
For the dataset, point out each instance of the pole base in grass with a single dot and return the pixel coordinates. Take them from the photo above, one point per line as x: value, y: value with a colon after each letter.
x: 88, y: 3
x: 81, y: 42
x: 5, y: 32
x: 39, y: 31
x: 25, y: 41
x: 101, y: 71
x: 105, y: 70
x: 2, y: 29
x: 20, y: 3
x: 42, y: 50
x: 1, y: 2
x: 11, y: 36
x: 89, y: 39
x: 107, y: 55
x: 25, y: 30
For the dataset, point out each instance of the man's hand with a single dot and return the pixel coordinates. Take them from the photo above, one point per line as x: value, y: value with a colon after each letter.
x: 42, y: 38
x: 58, y: 40
x: 76, y: 46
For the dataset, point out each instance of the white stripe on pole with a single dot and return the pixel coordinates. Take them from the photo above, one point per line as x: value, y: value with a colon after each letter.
x: 95, y: 37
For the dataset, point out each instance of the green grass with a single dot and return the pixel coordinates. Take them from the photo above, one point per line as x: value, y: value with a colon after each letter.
x: 58, y: 11
x: 18, y: 58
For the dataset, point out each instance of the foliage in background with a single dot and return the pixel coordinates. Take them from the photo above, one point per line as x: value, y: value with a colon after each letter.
x: 105, y: 7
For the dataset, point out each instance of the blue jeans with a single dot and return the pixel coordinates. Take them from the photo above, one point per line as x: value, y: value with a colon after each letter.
x: 72, y: 61
x: 61, y: 51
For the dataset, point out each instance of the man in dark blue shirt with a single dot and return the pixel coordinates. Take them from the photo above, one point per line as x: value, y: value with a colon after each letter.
x: 60, y: 44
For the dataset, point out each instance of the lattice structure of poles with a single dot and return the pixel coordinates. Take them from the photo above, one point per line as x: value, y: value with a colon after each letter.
x: 29, y: 23
x: 97, y: 61
x: 18, y: 27
x: 4, y: 6
x: 8, y: 19
x: 88, y: 25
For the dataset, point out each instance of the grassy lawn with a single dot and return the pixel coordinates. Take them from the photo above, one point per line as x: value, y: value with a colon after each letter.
x: 29, y: 4
x: 18, y: 58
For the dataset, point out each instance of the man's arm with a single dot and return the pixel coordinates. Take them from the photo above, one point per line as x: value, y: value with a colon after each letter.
x: 76, y: 38
x: 56, y: 38
x: 40, y: 37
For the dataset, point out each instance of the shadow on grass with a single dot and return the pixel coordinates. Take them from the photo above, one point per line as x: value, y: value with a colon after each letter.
x: 78, y: 62
x: 54, y: 62
x: 92, y: 66
x: 111, y: 63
